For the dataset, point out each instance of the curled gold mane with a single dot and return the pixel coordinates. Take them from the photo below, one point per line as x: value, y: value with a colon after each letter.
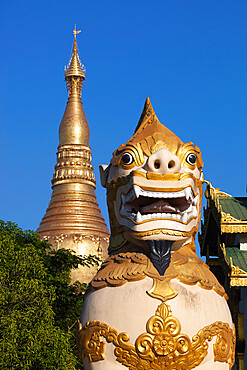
x: 185, y: 266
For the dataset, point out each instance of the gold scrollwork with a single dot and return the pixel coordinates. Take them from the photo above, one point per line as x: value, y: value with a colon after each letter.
x: 163, y: 346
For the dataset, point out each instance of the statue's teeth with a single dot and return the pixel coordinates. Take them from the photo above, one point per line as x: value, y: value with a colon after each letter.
x: 194, y: 212
x: 137, y: 191
x: 184, y: 217
x: 138, y: 217
x: 194, y: 202
x: 187, y: 193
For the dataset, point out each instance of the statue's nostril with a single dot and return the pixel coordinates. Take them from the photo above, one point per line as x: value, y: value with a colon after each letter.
x: 157, y: 164
x: 171, y: 164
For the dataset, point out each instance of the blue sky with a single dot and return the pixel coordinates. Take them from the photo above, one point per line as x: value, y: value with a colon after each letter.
x: 190, y: 57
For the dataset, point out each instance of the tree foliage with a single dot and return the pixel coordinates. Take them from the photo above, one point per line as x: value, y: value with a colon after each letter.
x: 38, y: 305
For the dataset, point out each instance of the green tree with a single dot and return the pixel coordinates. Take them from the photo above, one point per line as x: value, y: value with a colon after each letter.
x: 38, y: 305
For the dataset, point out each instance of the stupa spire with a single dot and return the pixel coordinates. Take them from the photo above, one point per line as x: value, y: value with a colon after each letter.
x: 76, y: 130
x: 73, y: 219
x: 75, y: 70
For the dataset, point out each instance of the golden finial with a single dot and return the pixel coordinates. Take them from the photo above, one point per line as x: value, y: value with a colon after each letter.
x: 75, y: 71
x: 75, y: 32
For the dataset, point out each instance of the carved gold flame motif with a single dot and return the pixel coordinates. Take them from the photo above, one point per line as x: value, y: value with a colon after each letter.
x: 163, y: 346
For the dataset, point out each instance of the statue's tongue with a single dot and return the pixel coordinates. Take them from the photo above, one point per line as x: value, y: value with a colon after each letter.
x: 158, y: 206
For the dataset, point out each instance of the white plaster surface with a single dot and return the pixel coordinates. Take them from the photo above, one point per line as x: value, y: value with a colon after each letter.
x: 128, y: 308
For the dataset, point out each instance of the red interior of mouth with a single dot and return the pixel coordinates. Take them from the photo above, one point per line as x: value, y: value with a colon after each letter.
x: 147, y: 205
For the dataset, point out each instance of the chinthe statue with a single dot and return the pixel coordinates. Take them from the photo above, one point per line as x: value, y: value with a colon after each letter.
x: 154, y: 304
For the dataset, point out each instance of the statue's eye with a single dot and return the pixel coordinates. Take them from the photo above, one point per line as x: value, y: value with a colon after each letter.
x: 191, y: 159
x: 127, y: 159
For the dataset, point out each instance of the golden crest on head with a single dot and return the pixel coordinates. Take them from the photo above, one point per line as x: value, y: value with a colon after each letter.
x: 154, y: 185
x: 151, y: 135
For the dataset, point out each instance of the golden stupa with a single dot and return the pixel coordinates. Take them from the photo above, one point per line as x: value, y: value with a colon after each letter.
x: 73, y: 219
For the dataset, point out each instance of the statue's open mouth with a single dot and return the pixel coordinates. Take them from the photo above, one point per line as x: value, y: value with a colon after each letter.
x: 142, y: 205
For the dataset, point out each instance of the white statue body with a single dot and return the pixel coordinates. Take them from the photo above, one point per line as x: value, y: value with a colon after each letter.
x: 154, y: 304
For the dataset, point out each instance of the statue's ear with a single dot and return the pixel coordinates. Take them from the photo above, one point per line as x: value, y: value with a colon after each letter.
x: 103, y: 174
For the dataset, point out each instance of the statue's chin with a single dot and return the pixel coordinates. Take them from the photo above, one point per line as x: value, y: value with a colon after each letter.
x: 142, y: 241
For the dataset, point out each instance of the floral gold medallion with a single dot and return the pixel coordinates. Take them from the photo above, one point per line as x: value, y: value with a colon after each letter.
x: 162, y: 347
